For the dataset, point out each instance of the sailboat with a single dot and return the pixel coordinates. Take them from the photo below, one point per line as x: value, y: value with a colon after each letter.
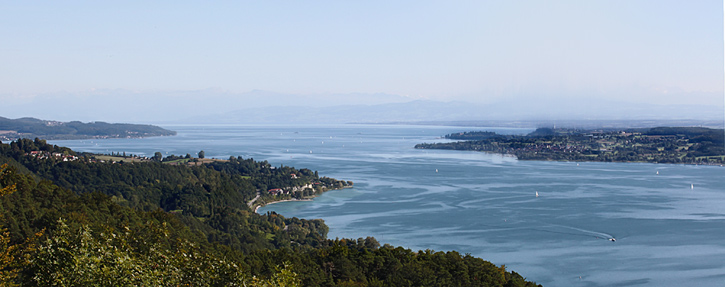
x: 692, y: 186
x: 537, y: 194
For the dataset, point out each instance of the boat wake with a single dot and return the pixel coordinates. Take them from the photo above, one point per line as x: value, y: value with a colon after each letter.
x: 583, y: 232
x: 549, y: 228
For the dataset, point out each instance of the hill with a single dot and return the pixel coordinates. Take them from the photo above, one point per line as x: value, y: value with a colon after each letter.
x: 11, y: 129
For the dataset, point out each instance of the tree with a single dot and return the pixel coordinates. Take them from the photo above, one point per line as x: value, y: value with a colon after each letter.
x: 13, y: 257
x: 201, y: 154
x: 158, y: 156
x: 7, y: 251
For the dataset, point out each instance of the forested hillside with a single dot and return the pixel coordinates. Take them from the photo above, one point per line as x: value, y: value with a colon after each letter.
x: 71, y: 220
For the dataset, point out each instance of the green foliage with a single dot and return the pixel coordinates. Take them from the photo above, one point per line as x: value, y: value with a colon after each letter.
x: 284, y: 277
x: 472, y: 135
x: 154, y: 224
x: 210, y: 198
x: 13, y: 256
x: 362, y: 262
x: 81, y: 257
x: 23, y: 146
x: 157, y: 156
x: 8, y: 253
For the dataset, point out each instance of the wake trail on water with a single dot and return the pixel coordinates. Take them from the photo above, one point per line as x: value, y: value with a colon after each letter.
x: 551, y: 228
x: 548, y: 228
x: 584, y: 232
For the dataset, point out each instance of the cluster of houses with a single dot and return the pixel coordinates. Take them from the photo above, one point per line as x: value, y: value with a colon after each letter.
x: 55, y: 155
x: 6, y: 136
x: 279, y: 191
x: 276, y: 191
x: 536, y: 148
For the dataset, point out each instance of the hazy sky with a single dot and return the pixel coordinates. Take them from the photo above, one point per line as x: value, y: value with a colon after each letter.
x: 647, y: 51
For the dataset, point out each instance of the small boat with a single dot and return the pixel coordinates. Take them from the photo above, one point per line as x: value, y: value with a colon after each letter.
x: 658, y: 172
x: 612, y: 239
x: 436, y: 170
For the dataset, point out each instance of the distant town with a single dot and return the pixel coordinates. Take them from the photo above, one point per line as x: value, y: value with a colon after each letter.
x: 684, y: 145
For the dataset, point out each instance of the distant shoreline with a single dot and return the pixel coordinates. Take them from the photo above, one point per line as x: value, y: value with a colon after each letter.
x: 661, y: 145
x: 7, y: 137
x: 13, y: 129
x: 596, y: 161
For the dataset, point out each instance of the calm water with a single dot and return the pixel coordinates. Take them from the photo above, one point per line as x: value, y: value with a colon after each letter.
x: 668, y: 227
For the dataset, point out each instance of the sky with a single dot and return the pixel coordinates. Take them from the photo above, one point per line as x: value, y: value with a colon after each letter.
x: 72, y: 52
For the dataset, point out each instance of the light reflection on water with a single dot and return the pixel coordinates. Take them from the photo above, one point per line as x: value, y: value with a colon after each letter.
x: 667, y: 233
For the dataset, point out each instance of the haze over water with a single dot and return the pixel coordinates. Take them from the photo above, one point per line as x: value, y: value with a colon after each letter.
x: 667, y: 219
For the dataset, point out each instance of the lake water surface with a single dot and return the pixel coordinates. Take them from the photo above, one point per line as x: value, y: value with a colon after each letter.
x: 668, y: 220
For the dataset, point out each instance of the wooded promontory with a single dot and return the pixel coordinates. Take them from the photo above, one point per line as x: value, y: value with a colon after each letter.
x: 11, y: 129
x: 686, y: 145
x: 76, y: 219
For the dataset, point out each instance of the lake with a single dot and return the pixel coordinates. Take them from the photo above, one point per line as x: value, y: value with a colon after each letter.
x: 668, y: 221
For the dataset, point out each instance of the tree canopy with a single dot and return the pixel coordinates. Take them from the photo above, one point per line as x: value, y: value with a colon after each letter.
x: 86, y: 222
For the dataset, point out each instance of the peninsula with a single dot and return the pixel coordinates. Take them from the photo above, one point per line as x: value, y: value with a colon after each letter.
x: 69, y: 218
x: 12, y: 129
x: 685, y: 145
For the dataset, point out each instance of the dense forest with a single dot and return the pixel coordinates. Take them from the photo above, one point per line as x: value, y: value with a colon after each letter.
x: 11, y: 129
x: 687, y: 145
x: 69, y: 219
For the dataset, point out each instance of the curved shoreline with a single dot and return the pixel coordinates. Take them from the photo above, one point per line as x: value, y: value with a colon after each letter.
x: 256, y: 208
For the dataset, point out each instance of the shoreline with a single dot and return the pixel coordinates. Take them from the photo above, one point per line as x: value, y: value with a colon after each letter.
x: 614, y: 161
x: 256, y: 208
x: 582, y: 161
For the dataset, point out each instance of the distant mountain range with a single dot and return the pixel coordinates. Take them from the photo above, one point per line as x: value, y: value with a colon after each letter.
x: 212, y: 106
x: 31, y: 128
x: 518, y: 113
